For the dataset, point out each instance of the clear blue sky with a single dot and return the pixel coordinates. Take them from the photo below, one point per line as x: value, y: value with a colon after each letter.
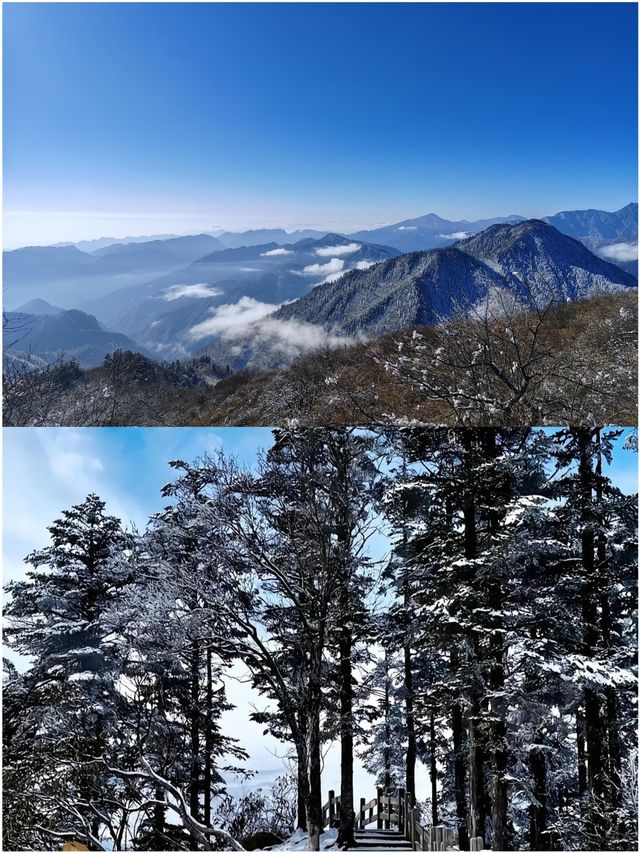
x: 132, y: 117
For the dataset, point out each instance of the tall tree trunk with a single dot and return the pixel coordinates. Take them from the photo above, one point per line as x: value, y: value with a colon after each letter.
x: 538, y: 840
x: 433, y: 769
x: 314, y: 800
x: 582, y: 755
x: 613, y: 753
x: 477, y: 794
x: 347, y: 814
x: 459, y: 740
x: 412, y: 751
x: 386, y: 754
x: 208, y: 742
x: 159, y: 809
x: 303, y: 787
x: 594, y: 734
x: 194, y: 775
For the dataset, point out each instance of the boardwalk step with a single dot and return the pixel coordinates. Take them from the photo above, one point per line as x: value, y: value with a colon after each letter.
x: 381, y: 839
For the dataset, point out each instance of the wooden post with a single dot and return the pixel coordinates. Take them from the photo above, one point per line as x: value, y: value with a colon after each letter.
x: 387, y: 823
x: 361, y: 819
x: 401, y: 811
x: 379, y: 807
x: 409, y: 817
x: 476, y: 843
x: 332, y: 807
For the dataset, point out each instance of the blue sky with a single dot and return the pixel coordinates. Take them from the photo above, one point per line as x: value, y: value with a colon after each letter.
x: 48, y: 470
x: 142, y: 117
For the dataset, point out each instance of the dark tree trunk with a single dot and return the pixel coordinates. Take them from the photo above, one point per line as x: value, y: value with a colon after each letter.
x: 314, y: 802
x: 410, y: 775
x: 593, y: 728
x: 208, y: 743
x: 459, y: 740
x: 614, y: 750
x: 595, y: 769
x: 477, y: 794
x: 386, y: 755
x: 158, y: 819
x: 613, y: 754
x: 347, y: 815
x: 159, y: 809
x: 433, y: 770
x: 538, y: 840
x: 582, y: 756
x: 499, y: 802
x: 302, y: 794
x: 411, y: 755
x: 194, y: 775
x: 497, y: 711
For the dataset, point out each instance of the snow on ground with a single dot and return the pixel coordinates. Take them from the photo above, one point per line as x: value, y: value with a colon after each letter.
x: 300, y: 841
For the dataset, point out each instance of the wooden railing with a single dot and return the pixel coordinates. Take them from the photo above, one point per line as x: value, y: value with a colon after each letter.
x: 394, y: 810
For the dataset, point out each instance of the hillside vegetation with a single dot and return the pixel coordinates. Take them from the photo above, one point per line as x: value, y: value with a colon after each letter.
x: 570, y: 363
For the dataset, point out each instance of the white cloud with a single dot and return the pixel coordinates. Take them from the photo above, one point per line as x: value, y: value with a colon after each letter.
x: 620, y: 251
x: 248, y: 322
x: 191, y: 291
x: 333, y: 277
x: 457, y: 235
x: 237, y: 315
x: 249, y: 269
x: 289, y: 337
x: 330, y: 251
x: 407, y: 227
x: 273, y: 253
x: 334, y: 265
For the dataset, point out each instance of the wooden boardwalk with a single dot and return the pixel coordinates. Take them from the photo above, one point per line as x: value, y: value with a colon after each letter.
x: 390, y: 821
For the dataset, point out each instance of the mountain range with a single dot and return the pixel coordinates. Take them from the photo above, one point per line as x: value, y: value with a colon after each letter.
x: 175, y: 296
x: 51, y: 334
x: 69, y: 276
x: 160, y: 313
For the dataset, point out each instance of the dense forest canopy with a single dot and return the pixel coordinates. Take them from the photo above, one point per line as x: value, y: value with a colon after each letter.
x: 492, y: 641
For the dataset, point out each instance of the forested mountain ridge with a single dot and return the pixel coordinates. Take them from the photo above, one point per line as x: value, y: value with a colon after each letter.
x: 54, y: 334
x: 530, y: 260
x: 491, y: 643
x: 573, y: 363
x: 596, y: 228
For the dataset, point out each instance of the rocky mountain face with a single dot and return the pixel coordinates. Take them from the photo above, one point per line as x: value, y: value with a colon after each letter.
x: 414, y: 289
x: 67, y: 334
x: 531, y: 260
